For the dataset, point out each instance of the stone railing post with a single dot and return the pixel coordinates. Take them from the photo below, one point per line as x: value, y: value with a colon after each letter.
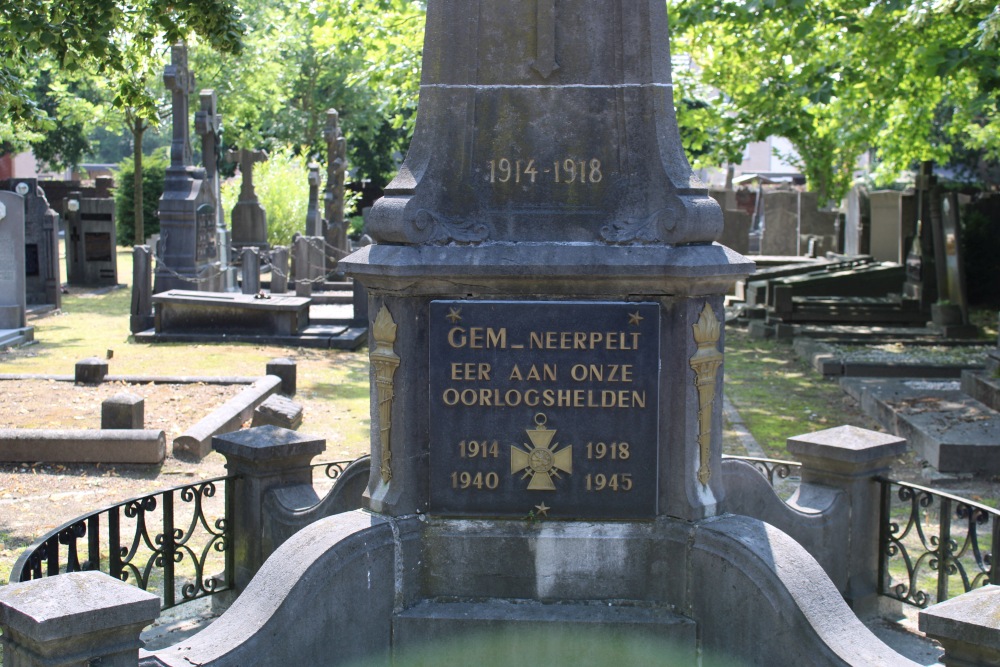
x: 968, y: 627
x: 74, y: 620
x: 262, y: 458
x: 849, y: 458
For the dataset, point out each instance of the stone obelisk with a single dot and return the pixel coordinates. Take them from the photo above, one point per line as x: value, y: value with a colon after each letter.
x: 544, y: 240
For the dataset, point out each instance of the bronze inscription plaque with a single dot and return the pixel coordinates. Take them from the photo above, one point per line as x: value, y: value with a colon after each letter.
x: 544, y: 409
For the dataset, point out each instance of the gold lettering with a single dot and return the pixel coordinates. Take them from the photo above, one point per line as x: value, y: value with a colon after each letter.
x: 515, y: 373
x: 470, y: 371
x: 579, y: 340
x: 456, y: 337
x: 535, y: 339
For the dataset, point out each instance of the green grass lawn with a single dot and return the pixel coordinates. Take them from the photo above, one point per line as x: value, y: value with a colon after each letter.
x: 779, y: 395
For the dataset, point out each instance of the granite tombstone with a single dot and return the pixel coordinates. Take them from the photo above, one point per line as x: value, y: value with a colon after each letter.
x: 91, y: 241
x: 12, y: 274
x: 336, y: 170
x: 41, y: 243
x: 248, y: 216
x: 213, y: 235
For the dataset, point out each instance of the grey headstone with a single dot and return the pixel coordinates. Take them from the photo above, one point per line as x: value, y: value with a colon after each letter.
x: 249, y: 217
x: 123, y: 411
x: 893, y: 216
x: 279, y: 269
x: 781, y: 226
x: 336, y: 169
x: 12, y: 277
x: 91, y: 241
x: 310, y: 263
x: 314, y: 221
x: 250, y: 269
x: 142, y: 289
x: 41, y: 243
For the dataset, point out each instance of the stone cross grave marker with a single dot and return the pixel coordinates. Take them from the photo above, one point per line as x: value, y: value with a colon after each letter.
x: 179, y: 80
x: 336, y: 170
x: 249, y: 217
x: 213, y: 239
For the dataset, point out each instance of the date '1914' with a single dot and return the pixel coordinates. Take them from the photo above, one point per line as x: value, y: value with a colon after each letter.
x: 566, y: 171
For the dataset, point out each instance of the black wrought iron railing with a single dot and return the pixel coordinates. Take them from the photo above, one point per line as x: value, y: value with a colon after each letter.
x: 175, y: 542
x: 934, y: 545
x: 773, y: 469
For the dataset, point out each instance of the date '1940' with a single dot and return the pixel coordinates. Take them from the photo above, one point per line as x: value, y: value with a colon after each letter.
x: 566, y: 171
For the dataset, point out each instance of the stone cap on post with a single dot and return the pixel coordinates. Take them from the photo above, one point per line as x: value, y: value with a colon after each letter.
x: 269, y: 446
x: 845, y: 450
x: 968, y: 626
x: 70, y: 618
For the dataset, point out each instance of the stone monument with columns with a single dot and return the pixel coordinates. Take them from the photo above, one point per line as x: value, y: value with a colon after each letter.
x: 546, y: 322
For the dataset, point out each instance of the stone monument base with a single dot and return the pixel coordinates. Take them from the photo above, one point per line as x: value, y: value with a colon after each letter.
x: 17, y: 336
x: 733, y: 588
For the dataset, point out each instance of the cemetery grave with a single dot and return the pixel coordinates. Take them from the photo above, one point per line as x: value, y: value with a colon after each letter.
x: 545, y: 406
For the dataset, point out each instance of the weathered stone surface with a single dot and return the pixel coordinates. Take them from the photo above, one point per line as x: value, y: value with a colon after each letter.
x: 91, y: 370
x: 124, y: 411
x: 230, y: 416
x: 287, y: 370
x: 74, y: 619
x: 546, y: 123
x: 249, y: 219
x: 182, y: 311
x: 967, y: 626
x: 186, y: 209
x: 278, y: 411
x: 142, y: 289
x: 41, y: 243
x: 12, y: 277
x: 82, y: 446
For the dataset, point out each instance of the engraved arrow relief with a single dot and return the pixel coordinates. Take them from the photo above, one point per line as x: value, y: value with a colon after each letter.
x: 545, y: 46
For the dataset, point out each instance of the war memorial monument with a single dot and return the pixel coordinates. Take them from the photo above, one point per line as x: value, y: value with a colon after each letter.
x: 546, y: 306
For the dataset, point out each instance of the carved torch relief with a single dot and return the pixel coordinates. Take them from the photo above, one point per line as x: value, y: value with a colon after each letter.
x: 385, y: 362
x: 705, y: 363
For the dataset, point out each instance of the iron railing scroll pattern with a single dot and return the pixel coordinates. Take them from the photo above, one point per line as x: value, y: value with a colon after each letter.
x: 934, y: 545
x: 773, y: 469
x: 176, y: 541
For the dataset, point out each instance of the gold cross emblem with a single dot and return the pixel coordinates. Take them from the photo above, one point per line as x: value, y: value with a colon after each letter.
x: 541, y: 461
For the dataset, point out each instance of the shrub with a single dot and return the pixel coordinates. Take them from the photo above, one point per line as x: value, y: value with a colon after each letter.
x: 282, y: 186
x: 154, y: 169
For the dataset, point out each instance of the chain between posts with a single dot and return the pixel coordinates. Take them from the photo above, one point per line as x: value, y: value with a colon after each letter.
x: 266, y: 255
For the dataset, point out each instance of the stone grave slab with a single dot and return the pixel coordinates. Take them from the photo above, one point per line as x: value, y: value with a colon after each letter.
x: 191, y: 311
x: 944, y: 426
x: 41, y: 244
x: 13, y: 329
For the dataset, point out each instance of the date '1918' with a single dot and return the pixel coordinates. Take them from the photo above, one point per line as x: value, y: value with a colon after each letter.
x: 566, y: 171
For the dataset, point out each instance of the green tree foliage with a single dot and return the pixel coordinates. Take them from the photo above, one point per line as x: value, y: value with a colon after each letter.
x: 113, y: 38
x: 361, y: 58
x: 909, y: 80
x: 154, y: 170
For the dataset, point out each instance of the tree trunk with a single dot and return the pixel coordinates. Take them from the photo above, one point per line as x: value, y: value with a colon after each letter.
x: 138, y: 129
